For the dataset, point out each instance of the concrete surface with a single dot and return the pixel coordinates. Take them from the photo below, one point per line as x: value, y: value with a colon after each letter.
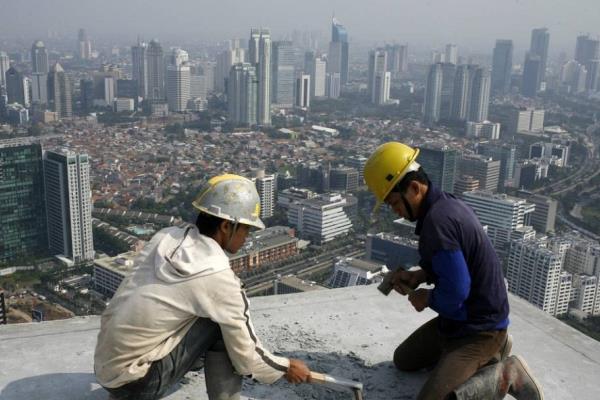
x: 349, y: 332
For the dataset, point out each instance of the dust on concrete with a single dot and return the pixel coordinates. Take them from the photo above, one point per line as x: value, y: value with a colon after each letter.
x: 380, y: 381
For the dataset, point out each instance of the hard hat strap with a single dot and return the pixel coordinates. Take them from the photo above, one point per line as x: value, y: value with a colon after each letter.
x: 235, y: 226
x: 408, y: 207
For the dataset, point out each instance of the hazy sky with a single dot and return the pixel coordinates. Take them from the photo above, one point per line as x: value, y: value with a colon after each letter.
x: 472, y: 24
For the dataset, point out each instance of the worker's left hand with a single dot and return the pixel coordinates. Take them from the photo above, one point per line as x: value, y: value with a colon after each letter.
x: 419, y: 299
x: 298, y: 372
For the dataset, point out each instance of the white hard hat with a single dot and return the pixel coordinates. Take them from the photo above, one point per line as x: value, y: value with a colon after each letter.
x: 231, y: 197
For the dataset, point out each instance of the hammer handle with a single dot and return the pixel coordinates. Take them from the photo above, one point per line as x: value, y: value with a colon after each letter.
x: 318, y: 377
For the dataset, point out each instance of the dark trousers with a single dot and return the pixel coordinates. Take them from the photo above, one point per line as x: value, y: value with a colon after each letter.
x: 454, y: 359
x: 202, y: 336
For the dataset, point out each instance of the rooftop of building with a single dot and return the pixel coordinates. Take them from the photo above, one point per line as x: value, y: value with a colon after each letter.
x: 494, y: 196
x: 263, y: 240
x: 121, y: 264
x: 349, y: 332
x: 395, y: 238
x: 364, y: 265
x: 300, y: 284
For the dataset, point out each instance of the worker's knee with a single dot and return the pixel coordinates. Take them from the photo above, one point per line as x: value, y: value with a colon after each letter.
x: 401, y: 361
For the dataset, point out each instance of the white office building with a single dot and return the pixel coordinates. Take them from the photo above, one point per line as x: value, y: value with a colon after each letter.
x: 485, y: 129
x: 320, y: 219
x: 502, y: 214
x: 178, y: 86
x: 318, y: 76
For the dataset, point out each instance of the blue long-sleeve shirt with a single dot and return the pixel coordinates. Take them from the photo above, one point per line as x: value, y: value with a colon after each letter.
x: 469, y: 294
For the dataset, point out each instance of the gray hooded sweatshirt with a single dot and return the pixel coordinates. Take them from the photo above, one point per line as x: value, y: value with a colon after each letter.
x: 180, y: 275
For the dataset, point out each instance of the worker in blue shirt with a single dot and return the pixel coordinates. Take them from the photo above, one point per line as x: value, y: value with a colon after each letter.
x: 467, y: 343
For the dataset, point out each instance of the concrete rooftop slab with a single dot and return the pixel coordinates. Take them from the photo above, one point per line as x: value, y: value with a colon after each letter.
x: 349, y: 332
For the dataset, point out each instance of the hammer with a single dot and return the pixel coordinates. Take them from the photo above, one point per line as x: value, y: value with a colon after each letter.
x: 387, y: 285
x: 324, y: 379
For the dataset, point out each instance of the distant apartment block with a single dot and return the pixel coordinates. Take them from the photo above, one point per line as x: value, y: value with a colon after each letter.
x: 273, y: 244
x: 535, y: 273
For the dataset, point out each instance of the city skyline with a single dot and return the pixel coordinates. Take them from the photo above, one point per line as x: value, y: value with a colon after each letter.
x: 511, y: 21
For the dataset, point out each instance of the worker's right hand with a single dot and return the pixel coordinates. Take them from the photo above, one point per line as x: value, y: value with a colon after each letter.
x: 406, y: 281
x: 298, y: 372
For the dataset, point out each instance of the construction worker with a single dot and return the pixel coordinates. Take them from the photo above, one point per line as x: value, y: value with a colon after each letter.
x: 469, y: 293
x: 183, y: 307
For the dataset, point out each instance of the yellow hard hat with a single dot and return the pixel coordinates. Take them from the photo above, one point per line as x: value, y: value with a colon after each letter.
x: 388, y: 164
x: 231, y: 197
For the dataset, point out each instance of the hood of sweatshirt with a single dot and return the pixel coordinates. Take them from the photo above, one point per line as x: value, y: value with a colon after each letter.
x: 184, y: 253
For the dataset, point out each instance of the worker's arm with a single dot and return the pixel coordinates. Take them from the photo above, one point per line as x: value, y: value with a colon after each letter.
x: 230, y: 309
x: 453, y: 284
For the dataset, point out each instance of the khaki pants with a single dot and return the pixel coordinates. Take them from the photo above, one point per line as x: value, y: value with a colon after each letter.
x: 454, y: 359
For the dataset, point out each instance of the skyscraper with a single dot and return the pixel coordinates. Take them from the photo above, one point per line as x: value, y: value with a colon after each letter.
x: 178, y: 81
x: 333, y: 84
x: 338, y: 61
x: 451, y: 55
x: 16, y: 87
x: 178, y: 57
x: 266, y: 188
x: 502, y: 67
x: 441, y: 165
x: 531, y: 75
x: 156, y: 71
x: 540, y: 41
x: 69, y: 205
x: 586, y: 49
x: 283, y: 74
x: 85, y: 45
x: 59, y: 92
x: 592, y: 82
x: 139, y: 62
x: 397, y: 59
x: 259, y: 55
x: 379, y: 77
x: 39, y: 58
x: 302, y: 91
x: 242, y: 94
x: 254, y: 46
x: 233, y: 55
x: 463, y: 85
x: 433, y: 95
x: 447, y: 95
x: 4, y: 66
x: 574, y: 76
x: 318, y: 76
x: 39, y: 88
x: 22, y: 211
x: 480, y: 95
